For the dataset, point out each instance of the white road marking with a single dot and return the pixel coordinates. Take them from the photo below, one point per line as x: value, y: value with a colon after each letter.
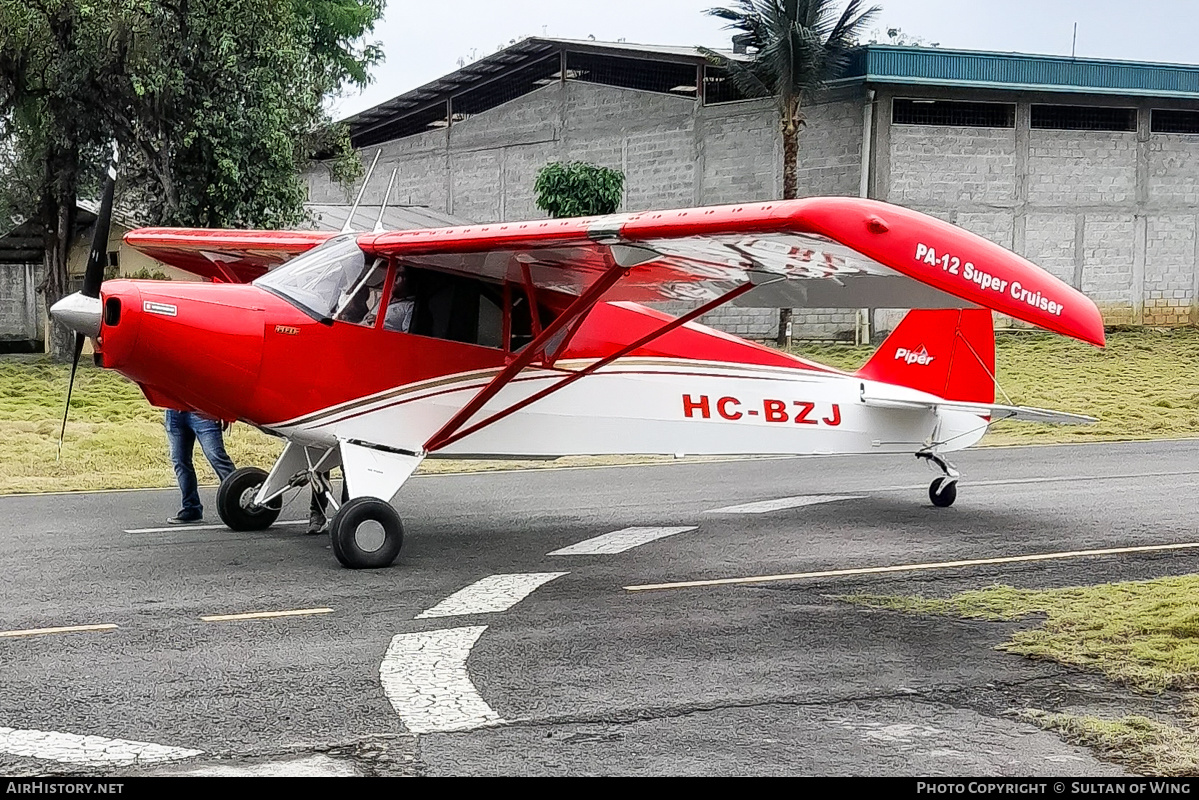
x: 764, y: 506
x: 619, y: 541
x: 975, y: 562
x: 69, y: 748
x: 424, y: 677
x: 298, y: 612
x: 65, y: 629
x: 206, y: 527
x: 491, y: 594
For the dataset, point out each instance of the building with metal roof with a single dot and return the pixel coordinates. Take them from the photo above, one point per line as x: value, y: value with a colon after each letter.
x: 1088, y: 167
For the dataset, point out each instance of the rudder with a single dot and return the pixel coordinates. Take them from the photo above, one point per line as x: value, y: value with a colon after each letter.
x: 946, y: 352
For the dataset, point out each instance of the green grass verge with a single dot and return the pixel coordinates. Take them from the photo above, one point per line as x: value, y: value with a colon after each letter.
x: 1143, y: 745
x: 1142, y: 634
x: 1144, y: 385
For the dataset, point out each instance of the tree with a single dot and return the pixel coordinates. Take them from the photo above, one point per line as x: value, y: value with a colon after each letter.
x: 898, y: 37
x: 795, y: 47
x: 578, y: 189
x: 217, y: 106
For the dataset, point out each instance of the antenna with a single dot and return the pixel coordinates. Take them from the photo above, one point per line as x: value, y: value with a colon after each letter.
x: 354, y: 210
x: 1074, y: 44
x: 386, y: 197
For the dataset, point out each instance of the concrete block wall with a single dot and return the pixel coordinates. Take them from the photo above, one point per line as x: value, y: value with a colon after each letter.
x: 673, y: 151
x: 1114, y: 214
x: 943, y: 167
x: 22, y: 312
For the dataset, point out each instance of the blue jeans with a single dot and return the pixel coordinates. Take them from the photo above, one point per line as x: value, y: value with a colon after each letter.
x: 183, y: 429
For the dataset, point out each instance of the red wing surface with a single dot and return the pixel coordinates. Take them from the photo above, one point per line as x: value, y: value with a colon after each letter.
x: 229, y: 256
x: 822, y: 252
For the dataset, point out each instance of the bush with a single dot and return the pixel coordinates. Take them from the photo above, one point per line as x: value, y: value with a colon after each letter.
x: 578, y: 189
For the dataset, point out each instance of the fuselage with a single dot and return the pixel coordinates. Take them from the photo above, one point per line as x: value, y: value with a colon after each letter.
x: 241, y: 352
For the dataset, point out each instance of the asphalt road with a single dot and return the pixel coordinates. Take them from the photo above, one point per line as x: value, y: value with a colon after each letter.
x: 580, y: 675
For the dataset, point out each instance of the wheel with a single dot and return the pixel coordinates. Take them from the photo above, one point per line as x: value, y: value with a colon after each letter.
x: 943, y: 492
x: 235, y: 501
x: 366, y: 534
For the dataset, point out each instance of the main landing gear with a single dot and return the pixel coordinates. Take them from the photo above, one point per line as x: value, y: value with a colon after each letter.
x: 366, y: 533
x: 235, y: 501
x: 944, y: 490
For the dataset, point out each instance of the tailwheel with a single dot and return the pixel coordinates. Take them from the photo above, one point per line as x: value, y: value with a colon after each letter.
x: 235, y: 501
x: 366, y: 534
x: 943, y: 491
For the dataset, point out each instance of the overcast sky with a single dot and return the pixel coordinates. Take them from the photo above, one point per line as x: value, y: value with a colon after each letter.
x: 423, y: 40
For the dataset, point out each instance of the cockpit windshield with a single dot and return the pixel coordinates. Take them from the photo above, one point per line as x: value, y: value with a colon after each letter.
x: 317, y: 280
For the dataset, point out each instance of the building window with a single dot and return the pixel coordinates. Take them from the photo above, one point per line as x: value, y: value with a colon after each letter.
x: 1083, y: 118
x: 665, y: 77
x: 1174, y: 121
x: 953, y: 112
x: 719, y: 87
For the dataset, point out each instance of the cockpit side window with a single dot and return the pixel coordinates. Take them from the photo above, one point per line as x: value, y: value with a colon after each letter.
x: 317, y: 280
x: 360, y: 303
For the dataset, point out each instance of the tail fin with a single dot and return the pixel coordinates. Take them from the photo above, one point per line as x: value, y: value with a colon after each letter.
x: 946, y: 352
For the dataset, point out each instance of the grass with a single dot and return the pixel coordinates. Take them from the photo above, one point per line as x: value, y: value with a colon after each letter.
x: 1144, y: 385
x: 1142, y: 634
x: 1143, y: 745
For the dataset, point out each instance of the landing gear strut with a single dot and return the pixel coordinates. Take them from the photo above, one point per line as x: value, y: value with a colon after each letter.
x: 944, y: 490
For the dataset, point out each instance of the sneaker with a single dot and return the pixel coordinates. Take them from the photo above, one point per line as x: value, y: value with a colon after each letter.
x: 179, y: 519
x: 317, y: 526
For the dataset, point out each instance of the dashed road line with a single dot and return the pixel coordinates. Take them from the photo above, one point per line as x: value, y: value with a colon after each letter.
x: 70, y: 748
x: 298, y: 612
x: 490, y: 595
x: 974, y: 562
x: 63, y: 629
x: 619, y: 541
x: 424, y: 677
x: 206, y: 527
x: 763, y: 506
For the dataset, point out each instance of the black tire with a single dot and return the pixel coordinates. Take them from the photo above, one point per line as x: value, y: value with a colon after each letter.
x: 943, y: 492
x: 234, y: 501
x: 366, y: 534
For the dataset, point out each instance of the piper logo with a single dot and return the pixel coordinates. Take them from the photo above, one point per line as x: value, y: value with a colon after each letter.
x: 920, y: 356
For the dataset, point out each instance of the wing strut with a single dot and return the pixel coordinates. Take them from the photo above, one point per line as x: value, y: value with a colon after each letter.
x: 448, y: 439
x: 549, y: 342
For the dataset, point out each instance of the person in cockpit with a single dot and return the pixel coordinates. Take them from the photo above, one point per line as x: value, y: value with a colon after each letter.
x: 401, y: 305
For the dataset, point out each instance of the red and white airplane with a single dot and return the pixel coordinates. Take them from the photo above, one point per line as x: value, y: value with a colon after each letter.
x: 529, y: 339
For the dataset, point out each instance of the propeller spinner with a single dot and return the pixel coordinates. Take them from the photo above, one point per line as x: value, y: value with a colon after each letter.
x: 81, y: 311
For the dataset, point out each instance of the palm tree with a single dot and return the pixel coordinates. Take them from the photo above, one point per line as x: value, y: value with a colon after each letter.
x: 795, y: 47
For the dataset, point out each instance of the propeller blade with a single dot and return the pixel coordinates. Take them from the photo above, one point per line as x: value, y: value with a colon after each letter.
x: 71, y: 385
x: 93, y: 276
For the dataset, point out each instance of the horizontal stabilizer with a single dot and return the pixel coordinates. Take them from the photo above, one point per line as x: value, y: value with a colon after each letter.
x: 993, y: 410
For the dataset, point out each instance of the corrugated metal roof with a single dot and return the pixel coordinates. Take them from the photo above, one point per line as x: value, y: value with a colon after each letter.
x: 331, y: 217
x: 523, y: 52
x: 937, y: 67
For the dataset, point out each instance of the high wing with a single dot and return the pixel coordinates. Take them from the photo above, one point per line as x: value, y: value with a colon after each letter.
x: 228, y: 256
x: 823, y: 252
